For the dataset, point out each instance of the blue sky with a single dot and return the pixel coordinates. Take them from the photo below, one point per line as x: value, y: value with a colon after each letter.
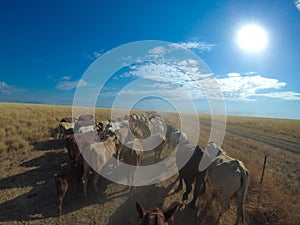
x: 46, y: 47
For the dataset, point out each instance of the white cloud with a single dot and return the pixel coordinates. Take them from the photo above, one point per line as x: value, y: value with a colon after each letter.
x: 285, y: 95
x: 195, y: 45
x: 250, y: 73
x: 159, y: 50
x: 184, y: 75
x: 98, y: 53
x: 66, y: 84
x: 8, y: 89
x: 66, y: 78
x: 158, y: 85
x: 94, y: 55
x: 237, y: 87
x: 4, y: 88
x: 297, y: 3
x: 233, y: 75
x: 177, y: 72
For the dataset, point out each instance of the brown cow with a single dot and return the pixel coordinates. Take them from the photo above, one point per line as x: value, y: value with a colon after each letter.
x: 64, y: 180
x: 155, y: 216
x: 133, y: 154
x: 124, y: 135
x: 133, y: 124
x: 72, y: 147
x: 64, y: 128
x: 73, y: 144
x: 97, y: 154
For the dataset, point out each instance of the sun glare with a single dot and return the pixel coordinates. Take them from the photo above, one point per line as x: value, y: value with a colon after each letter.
x: 252, y: 38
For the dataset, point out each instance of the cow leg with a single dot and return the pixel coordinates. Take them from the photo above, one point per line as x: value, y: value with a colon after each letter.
x: 240, y: 215
x: 131, y: 176
x: 86, y: 170
x: 188, y: 186
x: 205, y: 210
x: 186, y: 193
x: 159, y: 153
x: 95, y: 181
x: 130, y: 179
x: 179, y: 188
x: 200, y: 182
x: 225, y: 206
x: 196, y: 192
x: 240, y: 208
x: 118, y: 153
x: 62, y: 192
x: 156, y: 155
x: 60, y: 201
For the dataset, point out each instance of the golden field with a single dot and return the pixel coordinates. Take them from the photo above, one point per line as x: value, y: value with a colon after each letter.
x: 30, y: 155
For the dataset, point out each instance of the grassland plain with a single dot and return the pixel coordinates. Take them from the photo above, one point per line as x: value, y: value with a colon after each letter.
x: 30, y: 155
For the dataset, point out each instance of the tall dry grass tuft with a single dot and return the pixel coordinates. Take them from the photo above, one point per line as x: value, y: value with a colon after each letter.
x: 21, y: 125
x: 270, y: 203
x: 273, y: 202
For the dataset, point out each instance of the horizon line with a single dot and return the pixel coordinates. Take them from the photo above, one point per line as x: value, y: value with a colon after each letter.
x: 137, y: 109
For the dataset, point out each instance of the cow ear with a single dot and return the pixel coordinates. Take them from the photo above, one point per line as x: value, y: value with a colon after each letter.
x: 141, y: 211
x: 169, y: 214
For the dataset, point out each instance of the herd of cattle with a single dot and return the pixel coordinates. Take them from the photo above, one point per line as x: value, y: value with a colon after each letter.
x: 93, y: 143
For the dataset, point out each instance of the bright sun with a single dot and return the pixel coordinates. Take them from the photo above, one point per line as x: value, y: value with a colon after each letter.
x: 252, y: 38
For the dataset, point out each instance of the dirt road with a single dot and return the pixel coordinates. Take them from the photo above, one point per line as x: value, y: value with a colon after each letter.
x: 260, y: 137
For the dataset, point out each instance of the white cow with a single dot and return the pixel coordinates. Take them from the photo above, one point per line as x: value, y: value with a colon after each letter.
x: 112, y: 127
x: 229, y: 177
x: 84, y: 126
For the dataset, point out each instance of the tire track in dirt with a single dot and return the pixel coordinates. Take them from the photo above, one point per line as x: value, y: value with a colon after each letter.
x: 266, y: 139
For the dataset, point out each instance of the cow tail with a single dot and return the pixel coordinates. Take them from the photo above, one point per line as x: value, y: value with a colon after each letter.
x: 245, y: 180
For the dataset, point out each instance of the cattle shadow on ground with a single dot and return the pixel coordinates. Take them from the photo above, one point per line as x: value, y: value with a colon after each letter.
x: 48, y: 145
x: 40, y: 181
x: 126, y: 214
x: 43, y: 167
x: 74, y: 198
x: 41, y: 201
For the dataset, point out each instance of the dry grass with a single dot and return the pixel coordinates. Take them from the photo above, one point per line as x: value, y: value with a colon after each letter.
x: 29, y: 155
x: 284, y: 128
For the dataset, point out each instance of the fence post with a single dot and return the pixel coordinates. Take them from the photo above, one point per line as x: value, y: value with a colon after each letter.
x: 261, y: 180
